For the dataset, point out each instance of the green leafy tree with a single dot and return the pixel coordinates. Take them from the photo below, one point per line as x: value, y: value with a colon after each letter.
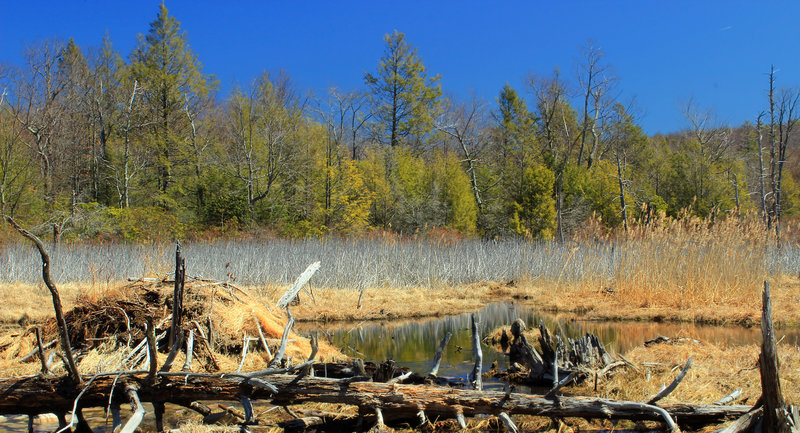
x: 350, y: 199
x: 171, y: 78
x: 413, y: 195
x: 373, y: 170
x: 405, y: 98
x: 457, y: 195
x: 532, y: 209
x: 17, y: 168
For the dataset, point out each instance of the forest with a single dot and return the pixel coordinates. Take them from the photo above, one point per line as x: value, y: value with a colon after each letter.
x: 98, y: 144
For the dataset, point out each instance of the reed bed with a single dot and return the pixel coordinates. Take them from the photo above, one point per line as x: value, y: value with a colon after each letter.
x: 673, y: 254
x: 678, y: 265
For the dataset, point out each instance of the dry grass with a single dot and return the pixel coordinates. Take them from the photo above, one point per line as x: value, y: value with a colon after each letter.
x: 595, y: 303
x: 716, y: 372
x: 31, y: 304
x: 382, y: 303
x: 677, y: 270
x: 97, y: 326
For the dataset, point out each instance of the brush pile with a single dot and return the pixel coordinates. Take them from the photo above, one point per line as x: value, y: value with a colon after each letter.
x: 222, y: 317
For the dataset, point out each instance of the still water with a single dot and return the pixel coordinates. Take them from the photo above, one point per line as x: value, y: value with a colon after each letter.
x: 412, y: 344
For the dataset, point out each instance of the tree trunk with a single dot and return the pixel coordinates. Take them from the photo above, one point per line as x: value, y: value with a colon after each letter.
x: 33, y: 395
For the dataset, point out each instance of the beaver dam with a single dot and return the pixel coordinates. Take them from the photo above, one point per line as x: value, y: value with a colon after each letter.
x: 234, y: 363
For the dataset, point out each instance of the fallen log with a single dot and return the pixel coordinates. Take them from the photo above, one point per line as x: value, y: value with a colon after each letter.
x: 33, y: 395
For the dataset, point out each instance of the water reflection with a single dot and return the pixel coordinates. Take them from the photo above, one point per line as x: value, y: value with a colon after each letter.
x: 412, y: 343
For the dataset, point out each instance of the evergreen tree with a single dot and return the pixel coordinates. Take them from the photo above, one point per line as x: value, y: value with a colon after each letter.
x: 405, y: 98
x: 532, y: 209
x: 171, y: 77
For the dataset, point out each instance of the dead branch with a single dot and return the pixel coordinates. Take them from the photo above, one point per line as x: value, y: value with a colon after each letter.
x: 136, y: 405
x: 151, y: 350
x: 508, y: 422
x: 261, y: 336
x: 298, y: 284
x: 177, y: 296
x: 674, y: 384
x: 42, y: 355
x: 35, y: 350
x: 187, y: 364
x: 730, y: 397
x: 284, y: 339
x: 477, y: 371
x: 437, y: 358
x: 59, y: 311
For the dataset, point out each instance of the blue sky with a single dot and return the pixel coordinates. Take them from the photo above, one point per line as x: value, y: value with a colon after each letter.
x: 663, y: 52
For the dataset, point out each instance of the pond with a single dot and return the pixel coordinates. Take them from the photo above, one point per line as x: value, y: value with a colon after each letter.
x: 412, y: 344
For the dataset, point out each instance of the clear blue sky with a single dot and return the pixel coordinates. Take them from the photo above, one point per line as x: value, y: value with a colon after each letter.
x: 664, y: 52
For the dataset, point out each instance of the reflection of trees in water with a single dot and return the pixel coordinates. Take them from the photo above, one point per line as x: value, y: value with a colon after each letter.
x: 413, y: 343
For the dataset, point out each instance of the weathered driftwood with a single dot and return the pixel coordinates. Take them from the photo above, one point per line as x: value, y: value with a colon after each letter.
x: 437, y: 358
x: 746, y: 423
x: 674, y: 384
x: 177, y: 295
x: 662, y: 339
x: 59, y: 311
x: 187, y: 363
x: 730, y: 397
x: 33, y: 395
x: 777, y: 416
x: 323, y: 420
x: 577, y: 357
x: 475, y: 377
x: 298, y: 284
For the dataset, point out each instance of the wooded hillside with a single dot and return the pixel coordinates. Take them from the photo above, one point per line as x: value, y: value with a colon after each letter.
x: 102, y: 144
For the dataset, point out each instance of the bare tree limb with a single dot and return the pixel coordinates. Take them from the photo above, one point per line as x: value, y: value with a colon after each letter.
x: 298, y: 284
x: 284, y: 339
x: 138, y: 414
x: 59, y: 311
x: 674, y: 384
x: 437, y: 359
x: 477, y: 371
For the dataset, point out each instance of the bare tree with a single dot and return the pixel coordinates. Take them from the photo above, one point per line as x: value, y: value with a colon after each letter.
x: 761, y: 175
x: 783, y: 117
x: 714, y: 140
x: 465, y: 125
x: 597, y: 80
x: 559, y: 133
x: 710, y: 146
x: 343, y: 116
x: 625, y: 140
x: 261, y: 126
x: 37, y: 93
x: 130, y: 163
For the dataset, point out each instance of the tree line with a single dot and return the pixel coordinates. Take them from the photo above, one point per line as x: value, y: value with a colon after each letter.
x: 96, y: 144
